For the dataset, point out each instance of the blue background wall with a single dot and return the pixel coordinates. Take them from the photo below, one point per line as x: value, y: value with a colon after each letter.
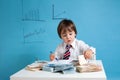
x: 28, y: 31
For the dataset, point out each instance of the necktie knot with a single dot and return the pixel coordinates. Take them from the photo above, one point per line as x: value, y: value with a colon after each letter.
x: 68, y: 47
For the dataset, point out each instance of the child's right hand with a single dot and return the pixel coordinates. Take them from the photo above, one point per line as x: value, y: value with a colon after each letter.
x: 52, y: 56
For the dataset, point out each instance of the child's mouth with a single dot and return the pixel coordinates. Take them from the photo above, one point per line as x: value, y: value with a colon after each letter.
x: 69, y: 40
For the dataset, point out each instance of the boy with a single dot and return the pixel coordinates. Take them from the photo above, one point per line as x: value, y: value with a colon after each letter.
x: 71, y: 48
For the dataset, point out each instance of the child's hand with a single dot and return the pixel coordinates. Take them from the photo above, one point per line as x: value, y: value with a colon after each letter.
x: 88, y: 54
x: 52, y: 56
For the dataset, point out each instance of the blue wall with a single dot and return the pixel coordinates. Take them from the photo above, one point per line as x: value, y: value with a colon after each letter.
x: 28, y: 31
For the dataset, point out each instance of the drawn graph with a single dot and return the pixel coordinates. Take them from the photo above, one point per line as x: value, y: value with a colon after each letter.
x: 32, y: 15
x: 33, y: 35
x: 30, y: 12
x: 57, y: 16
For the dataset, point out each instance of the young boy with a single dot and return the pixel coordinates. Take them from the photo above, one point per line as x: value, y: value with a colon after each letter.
x: 71, y: 48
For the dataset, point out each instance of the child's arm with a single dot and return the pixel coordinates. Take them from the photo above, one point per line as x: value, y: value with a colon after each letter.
x: 88, y: 51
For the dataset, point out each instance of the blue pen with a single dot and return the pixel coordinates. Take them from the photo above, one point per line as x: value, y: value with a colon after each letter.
x: 56, y: 59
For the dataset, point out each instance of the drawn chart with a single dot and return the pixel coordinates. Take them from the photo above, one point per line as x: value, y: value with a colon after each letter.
x: 58, y: 15
x: 33, y: 34
x: 32, y: 15
x: 30, y: 12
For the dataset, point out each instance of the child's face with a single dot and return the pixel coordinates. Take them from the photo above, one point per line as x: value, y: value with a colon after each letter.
x: 68, y: 37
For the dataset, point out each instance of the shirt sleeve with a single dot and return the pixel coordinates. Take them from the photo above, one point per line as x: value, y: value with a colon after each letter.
x: 83, y: 47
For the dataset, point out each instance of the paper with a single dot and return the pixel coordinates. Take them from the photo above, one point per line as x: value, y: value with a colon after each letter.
x: 82, y: 60
x: 59, y: 62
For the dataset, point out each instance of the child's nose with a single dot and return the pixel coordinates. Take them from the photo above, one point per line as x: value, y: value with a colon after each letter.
x: 68, y: 36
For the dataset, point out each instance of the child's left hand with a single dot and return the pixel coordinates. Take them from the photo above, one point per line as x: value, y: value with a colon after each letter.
x: 88, y: 54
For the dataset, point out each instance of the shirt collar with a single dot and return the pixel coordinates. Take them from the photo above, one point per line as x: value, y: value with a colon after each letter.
x: 73, y: 43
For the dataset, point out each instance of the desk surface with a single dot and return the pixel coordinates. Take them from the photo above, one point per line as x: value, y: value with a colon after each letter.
x: 44, y: 75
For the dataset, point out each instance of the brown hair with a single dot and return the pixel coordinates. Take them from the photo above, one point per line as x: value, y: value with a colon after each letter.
x: 66, y: 25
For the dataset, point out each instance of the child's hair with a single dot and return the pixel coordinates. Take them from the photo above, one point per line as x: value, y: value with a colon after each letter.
x: 66, y: 25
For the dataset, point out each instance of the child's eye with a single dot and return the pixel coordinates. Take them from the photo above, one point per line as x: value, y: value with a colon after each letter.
x: 64, y: 35
x: 70, y: 34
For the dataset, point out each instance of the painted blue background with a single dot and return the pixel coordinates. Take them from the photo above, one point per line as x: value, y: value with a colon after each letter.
x: 28, y: 31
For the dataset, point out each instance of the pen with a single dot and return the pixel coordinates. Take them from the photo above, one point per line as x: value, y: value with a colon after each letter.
x: 56, y: 59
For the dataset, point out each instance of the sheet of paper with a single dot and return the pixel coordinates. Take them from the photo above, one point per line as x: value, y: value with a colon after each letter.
x: 82, y: 60
x: 60, y: 62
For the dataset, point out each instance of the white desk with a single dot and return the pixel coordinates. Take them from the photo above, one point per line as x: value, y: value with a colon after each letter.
x: 43, y: 75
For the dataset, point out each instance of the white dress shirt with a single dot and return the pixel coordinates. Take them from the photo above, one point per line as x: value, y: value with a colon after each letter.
x: 78, y: 48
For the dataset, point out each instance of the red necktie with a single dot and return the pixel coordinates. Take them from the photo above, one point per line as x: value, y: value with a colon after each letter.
x: 67, y: 53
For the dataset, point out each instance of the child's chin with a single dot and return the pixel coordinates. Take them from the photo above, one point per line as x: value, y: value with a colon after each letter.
x: 69, y: 42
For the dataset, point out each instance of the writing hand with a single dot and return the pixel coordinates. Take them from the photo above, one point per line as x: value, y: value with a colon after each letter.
x: 52, y: 56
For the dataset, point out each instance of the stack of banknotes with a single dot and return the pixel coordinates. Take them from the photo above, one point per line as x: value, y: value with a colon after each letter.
x: 36, y: 66
x: 59, y: 66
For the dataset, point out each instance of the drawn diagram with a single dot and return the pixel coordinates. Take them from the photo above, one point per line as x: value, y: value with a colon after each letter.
x: 32, y: 15
x: 30, y: 12
x: 57, y: 16
x: 33, y: 35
